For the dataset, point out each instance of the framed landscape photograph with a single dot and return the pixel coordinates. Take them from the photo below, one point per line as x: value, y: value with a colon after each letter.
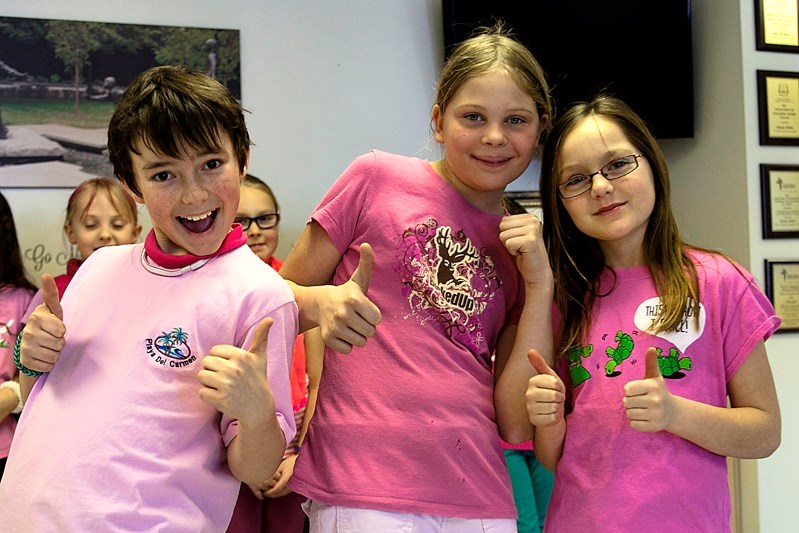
x: 60, y: 80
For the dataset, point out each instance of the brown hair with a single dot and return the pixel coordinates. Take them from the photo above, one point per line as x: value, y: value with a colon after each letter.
x: 577, y: 259
x: 169, y: 109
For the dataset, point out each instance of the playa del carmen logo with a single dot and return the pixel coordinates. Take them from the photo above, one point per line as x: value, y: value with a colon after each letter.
x: 171, y: 349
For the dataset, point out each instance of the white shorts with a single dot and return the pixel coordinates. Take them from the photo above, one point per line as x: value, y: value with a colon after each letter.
x: 337, y: 519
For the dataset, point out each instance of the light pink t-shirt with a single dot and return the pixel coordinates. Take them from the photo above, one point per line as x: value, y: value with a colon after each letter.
x: 612, y: 478
x: 407, y: 423
x: 116, y: 437
x: 13, y: 302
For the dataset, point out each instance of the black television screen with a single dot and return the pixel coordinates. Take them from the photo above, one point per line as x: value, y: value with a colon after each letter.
x: 637, y: 50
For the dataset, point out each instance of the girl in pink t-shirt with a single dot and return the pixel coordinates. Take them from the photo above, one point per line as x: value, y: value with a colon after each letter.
x: 653, y: 338
x: 15, y: 293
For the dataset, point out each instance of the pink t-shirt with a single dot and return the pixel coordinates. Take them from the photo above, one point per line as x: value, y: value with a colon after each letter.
x: 116, y: 437
x: 13, y: 302
x: 407, y: 423
x: 612, y: 478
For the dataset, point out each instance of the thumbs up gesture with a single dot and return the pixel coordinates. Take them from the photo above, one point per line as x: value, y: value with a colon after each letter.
x: 234, y: 380
x: 649, y: 405
x: 347, y: 317
x: 43, y: 336
x: 545, y: 393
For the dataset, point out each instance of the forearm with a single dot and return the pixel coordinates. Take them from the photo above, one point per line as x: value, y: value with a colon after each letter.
x: 533, y: 331
x: 307, y: 299
x: 255, y: 453
x: 26, y: 384
x: 8, y: 402
x: 740, y: 432
x: 548, y: 444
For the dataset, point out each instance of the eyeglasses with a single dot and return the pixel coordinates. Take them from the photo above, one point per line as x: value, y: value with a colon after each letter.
x: 266, y: 221
x: 581, y: 183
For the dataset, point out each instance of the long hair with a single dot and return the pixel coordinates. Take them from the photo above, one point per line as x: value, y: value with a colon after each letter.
x: 577, y: 260
x: 12, y: 270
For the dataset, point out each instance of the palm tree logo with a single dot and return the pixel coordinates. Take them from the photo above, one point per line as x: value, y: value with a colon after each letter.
x: 173, y: 344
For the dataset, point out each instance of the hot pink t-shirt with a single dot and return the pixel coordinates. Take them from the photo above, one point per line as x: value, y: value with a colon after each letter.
x: 13, y: 302
x: 612, y: 478
x: 407, y: 423
x: 116, y: 437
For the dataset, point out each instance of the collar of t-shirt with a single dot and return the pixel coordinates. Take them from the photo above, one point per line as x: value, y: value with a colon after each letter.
x: 235, y: 238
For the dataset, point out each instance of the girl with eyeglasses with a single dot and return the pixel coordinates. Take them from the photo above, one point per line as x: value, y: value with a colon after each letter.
x: 653, y: 336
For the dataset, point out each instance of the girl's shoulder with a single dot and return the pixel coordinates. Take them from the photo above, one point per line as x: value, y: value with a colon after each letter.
x: 717, y: 269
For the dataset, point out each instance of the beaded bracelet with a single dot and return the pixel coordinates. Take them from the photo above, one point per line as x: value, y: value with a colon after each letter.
x: 22, y: 368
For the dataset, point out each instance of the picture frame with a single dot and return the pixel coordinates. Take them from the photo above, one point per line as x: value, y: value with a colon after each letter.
x: 529, y: 200
x: 777, y: 25
x: 782, y: 288
x: 779, y: 193
x: 778, y: 107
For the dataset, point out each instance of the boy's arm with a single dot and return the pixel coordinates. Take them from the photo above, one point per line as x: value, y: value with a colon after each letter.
x: 42, y: 337
x: 345, y: 315
x: 234, y: 381
x: 521, y: 235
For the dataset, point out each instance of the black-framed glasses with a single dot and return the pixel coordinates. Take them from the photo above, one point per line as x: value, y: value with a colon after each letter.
x: 581, y: 183
x: 265, y: 221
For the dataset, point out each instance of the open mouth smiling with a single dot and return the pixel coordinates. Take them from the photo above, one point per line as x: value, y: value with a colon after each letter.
x: 199, y: 223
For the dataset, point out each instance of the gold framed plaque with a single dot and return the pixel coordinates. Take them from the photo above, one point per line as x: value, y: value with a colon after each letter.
x: 778, y: 107
x: 779, y: 189
x: 782, y: 288
x: 777, y: 25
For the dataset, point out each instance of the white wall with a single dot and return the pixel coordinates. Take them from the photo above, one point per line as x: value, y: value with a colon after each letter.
x: 326, y: 81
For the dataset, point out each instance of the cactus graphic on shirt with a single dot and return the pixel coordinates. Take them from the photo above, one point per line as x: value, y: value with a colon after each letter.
x: 623, y: 349
x: 671, y: 365
x: 577, y: 372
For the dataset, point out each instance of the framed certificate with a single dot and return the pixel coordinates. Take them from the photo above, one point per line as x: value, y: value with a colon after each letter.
x: 778, y: 107
x: 782, y: 288
x: 779, y: 190
x: 777, y: 25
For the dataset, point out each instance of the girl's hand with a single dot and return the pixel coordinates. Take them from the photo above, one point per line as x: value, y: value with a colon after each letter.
x: 649, y: 405
x: 521, y: 235
x: 276, y: 487
x: 43, y: 335
x: 545, y: 393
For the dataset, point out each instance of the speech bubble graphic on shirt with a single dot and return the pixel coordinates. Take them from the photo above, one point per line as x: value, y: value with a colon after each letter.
x: 648, y: 315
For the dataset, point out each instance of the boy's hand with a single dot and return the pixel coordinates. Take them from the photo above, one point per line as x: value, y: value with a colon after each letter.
x: 521, y: 235
x: 43, y: 335
x: 234, y: 380
x: 347, y: 317
x: 648, y: 403
x: 545, y: 393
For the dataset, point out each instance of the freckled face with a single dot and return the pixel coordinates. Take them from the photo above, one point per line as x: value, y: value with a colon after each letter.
x: 489, y: 130
x: 100, y: 225
x: 614, y: 212
x: 191, y: 200
x: 254, y: 203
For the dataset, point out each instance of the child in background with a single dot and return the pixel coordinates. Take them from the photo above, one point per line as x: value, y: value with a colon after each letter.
x: 405, y: 428
x: 100, y: 212
x: 271, y: 506
x: 653, y: 337
x: 159, y: 398
x: 16, y: 291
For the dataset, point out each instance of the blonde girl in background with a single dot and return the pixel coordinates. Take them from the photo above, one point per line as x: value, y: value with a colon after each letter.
x: 16, y: 291
x: 100, y: 212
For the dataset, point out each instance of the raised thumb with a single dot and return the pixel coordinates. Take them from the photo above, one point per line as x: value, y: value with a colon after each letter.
x: 51, y: 297
x: 363, y: 274
x: 652, y: 368
x: 539, y: 364
x: 259, y: 340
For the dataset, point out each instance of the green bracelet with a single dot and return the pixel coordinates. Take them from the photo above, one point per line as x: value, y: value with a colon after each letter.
x: 22, y: 368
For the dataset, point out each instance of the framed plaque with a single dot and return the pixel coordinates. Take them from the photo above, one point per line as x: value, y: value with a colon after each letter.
x: 778, y: 107
x: 779, y: 190
x: 777, y: 25
x: 782, y: 288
